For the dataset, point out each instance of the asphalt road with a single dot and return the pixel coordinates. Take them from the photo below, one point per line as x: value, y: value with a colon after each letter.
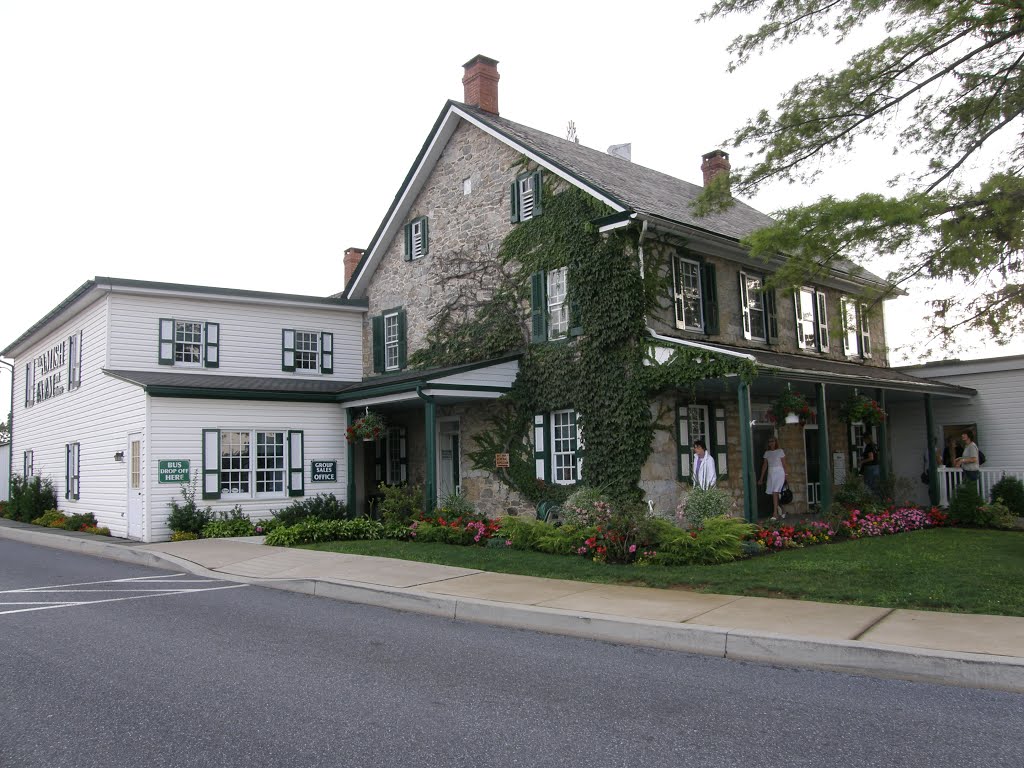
x: 107, y: 664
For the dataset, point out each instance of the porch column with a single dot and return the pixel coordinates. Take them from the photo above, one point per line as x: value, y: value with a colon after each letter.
x: 350, y: 464
x: 883, y: 442
x: 824, y: 450
x: 747, y: 455
x: 430, y: 481
x: 933, y: 465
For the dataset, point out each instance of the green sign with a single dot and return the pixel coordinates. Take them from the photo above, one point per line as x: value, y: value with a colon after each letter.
x: 323, y: 471
x: 173, y: 471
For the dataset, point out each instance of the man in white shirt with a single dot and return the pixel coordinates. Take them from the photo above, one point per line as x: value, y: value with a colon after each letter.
x: 704, y: 474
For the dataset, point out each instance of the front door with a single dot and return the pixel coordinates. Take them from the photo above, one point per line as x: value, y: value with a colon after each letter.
x: 449, y: 480
x: 135, y: 486
x: 760, y: 435
x: 813, y: 466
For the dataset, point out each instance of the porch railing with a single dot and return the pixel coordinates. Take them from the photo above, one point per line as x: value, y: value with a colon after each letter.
x: 950, y: 478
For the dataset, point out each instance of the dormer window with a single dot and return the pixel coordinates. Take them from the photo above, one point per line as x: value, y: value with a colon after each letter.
x: 417, y: 242
x: 526, y: 197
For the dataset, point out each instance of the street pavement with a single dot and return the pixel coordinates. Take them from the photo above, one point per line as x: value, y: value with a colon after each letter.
x: 955, y: 649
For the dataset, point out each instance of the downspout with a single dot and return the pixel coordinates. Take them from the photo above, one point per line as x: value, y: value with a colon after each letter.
x: 430, y: 479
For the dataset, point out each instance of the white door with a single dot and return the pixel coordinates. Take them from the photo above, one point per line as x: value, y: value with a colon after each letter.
x: 448, y: 477
x: 135, y: 486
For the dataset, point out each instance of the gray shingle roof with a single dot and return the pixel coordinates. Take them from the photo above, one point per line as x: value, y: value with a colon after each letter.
x: 252, y: 385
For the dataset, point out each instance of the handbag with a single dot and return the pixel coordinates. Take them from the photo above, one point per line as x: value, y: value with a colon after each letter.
x: 786, y: 494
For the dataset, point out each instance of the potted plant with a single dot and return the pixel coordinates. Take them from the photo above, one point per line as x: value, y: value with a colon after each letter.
x: 863, y: 409
x: 369, y: 426
x: 790, y: 406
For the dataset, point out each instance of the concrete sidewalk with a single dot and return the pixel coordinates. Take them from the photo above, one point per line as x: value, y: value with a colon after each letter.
x: 956, y: 649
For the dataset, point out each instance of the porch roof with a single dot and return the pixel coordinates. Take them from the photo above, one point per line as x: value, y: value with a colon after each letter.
x: 487, y: 380
x: 788, y: 367
x: 226, y: 387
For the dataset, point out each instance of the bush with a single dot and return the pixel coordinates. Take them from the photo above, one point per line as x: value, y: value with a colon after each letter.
x: 48, y: 518
x: 30, y: 498
x: 523, y: 532
x: 222, y: 529
x: 851, y: 495
x: 969, y: 509
x: 457, y: 505
x: 1010, y: 491
x: 323, y: 506
x: 581, y: 507
x: 78, y: 522
x: 399, y: 503
x: 96, y: 531
x: 701, y: 504
x: 188, y: 517
x: 314, y: 530
x: 184, y: 536
x: 719, y: 541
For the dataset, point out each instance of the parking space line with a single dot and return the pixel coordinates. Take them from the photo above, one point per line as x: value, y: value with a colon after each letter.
x: 39, y: 606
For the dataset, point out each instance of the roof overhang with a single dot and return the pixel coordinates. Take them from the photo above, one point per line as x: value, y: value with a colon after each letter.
x: 478, y: 381
x: 224, y: 387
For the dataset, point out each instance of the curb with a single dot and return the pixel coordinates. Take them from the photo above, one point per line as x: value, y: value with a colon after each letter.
x: 972, y: 670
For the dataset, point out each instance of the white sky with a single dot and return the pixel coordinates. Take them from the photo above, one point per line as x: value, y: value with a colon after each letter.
x: 247, y: 143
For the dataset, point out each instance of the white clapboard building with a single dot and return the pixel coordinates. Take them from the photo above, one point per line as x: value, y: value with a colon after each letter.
x: 129, y: 389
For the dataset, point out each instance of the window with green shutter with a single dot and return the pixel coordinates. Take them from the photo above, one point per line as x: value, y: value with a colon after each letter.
x: 526, y: 197
x: 389, y: 341
x: 417, y: 239
x: 701, y: 421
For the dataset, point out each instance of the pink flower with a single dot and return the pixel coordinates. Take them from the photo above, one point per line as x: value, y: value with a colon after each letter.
x: 632, y: 548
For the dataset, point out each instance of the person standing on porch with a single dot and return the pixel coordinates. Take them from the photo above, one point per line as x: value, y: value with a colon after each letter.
x: 774, y: 466
x: 704, y: 474
x: 869, y: 468
x: 970, y: 461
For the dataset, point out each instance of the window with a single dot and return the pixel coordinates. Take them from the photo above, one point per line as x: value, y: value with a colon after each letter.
x: 757, y: 306
x: 389, y: 341
x: 307, y: 351
x: 856, y: 329
x: 392, y: 459
x: 694, y: 295
x: 701, y: 421
x: 416, y: 239
x: 467, y: 185
x: 550, y: 312
x: 189, y: 343
x: 558, y: 447
x: 72, y: 470
x: 28, y: 464
x: 251, y: 463
x: 811, y: 319
x: 526, y: 197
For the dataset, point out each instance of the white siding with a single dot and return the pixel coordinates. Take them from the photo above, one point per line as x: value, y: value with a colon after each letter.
x: 176, y: 427
x: 98, y: 415
x: 500, y: 375
x: 250, y: 334
x: 997, y: 410
x: 5, y: 471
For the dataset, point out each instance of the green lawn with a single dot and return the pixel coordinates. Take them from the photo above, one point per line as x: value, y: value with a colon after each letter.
x: 946, y: 569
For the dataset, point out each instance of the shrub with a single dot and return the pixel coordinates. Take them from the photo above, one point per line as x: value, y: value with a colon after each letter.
x: 399, y: 503
x: 1010, y: 491
x: 263, y: 527
x: 851, y: 495
x: 188, y: 517
x: 313, y: 530
x: 968, y: 508
x: 620, y: 532
x: 57, y: 522
x: 78, y: 522
x: 30, y: 498
x: 701, y: 504
x: 220, y: 529
x: 581, y: 507
x: 323, y: 506
x: 184, y: 536
x: 96, y: 531
x: 48, y: 518
x: 719, y: 541
x: 523, y: 532
x: 457, y: 505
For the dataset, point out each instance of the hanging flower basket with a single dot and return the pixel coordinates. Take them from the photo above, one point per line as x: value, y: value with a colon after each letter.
x: 369, y: 426
x: 790, y: 407
x: 863, y: 409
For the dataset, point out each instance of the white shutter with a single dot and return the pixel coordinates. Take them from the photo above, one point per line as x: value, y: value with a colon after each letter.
x: 296, y: 478
x: 683, y: 419
x: 540, y: 446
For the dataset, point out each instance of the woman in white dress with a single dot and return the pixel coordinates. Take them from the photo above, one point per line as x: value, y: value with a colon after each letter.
x: 774, y: 466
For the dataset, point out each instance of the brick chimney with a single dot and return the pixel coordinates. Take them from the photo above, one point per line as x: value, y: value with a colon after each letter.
x: 352, y: 257
x: 481, y: 84
x: 715, y: 163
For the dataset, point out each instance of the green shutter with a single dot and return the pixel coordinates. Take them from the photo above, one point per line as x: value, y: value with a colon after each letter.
x: 721, y: 447
x: 326, y: 352
x: 514, y: 196
x: 538, y: 208
x: 709, y: 289
x: 67, y: 470
x: 402, y: 346
x: 211, y: 340
x: 771, y: 318
x: 165, y: 348
x: 542, y: 447
x: 211, y: 463
x: 685, y: 463
x: 287, y: 349
x: 403, y: 453
x: 407, y: 253
x: 380, y: 454
x: 426, y: 236
x: 296, y: 478
x: 377, y: 325
x: 538, y: 308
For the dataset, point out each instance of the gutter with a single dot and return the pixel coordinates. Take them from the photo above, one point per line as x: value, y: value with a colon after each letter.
x: 698, y: 345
